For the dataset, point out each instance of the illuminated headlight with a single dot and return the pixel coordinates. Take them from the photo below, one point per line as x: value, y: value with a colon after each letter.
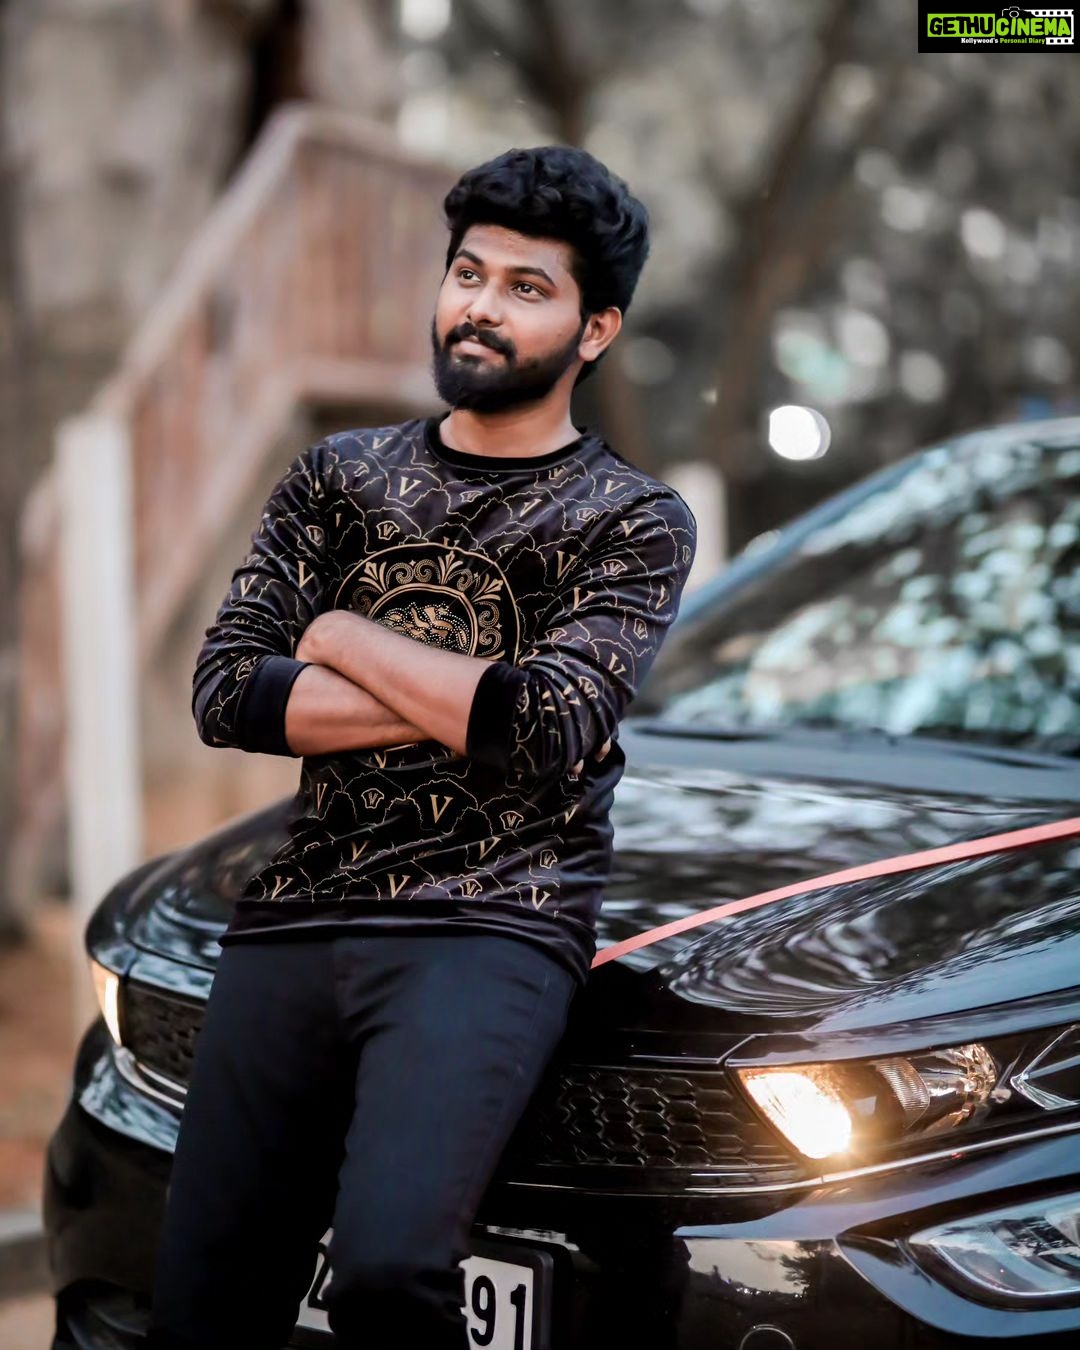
x: 107, y: 989
x: 1028, y: 1253
x: 850, y: 1107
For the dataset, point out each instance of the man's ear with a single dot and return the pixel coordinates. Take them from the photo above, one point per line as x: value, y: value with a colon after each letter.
x: 600, y: 332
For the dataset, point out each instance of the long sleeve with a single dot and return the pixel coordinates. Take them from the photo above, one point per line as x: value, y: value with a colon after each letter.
x: 564, y: 699
x: 246, y: 668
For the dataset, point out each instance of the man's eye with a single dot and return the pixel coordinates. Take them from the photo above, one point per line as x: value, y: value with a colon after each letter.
x: 530, y: 286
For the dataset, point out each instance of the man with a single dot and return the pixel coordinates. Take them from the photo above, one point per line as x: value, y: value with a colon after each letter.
x: 446, y: 618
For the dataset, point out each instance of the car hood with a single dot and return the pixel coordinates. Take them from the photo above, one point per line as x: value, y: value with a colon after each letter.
x: 699, y: 822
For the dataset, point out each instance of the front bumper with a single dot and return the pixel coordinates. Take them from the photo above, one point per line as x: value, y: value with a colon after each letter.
x: 799, y: 1268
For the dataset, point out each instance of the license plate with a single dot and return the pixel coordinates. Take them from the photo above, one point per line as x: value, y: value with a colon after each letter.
x: 507, y: 1295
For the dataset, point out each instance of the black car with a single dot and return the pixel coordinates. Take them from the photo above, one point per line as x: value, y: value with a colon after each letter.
x: 844, y: 1116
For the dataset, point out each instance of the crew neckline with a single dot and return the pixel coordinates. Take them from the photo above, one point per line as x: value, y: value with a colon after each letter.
x: 464, y: 459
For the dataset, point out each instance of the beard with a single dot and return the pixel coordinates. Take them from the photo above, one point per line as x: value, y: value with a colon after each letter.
x: 492, y: 383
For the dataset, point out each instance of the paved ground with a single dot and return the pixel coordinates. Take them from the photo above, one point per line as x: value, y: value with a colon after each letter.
x: 37, y: 1045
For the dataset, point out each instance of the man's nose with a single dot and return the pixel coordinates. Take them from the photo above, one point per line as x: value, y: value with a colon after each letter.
x: 484, y: 308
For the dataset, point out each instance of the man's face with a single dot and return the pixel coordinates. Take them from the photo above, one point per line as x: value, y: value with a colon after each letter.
x: 507, y: 321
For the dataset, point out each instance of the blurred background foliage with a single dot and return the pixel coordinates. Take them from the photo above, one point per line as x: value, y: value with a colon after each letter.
x: 890, y: 238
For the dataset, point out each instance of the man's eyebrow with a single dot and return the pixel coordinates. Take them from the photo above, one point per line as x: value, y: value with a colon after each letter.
x: 535, y: 271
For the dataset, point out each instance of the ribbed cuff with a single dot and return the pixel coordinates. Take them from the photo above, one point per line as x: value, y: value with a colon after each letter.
x: 260, y: 717
x: 488, y: 737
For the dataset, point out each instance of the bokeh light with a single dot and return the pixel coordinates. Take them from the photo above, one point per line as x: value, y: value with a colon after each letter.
x: 798, y: 433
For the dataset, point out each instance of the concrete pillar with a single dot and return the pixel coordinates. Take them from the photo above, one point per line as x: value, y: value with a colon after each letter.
x: 99, y: 644
x: 701, y: 486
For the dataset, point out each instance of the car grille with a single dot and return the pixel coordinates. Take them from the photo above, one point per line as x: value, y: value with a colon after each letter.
x: 646, y: 1119
x: 637, y: 1119
x: 159, y: 1029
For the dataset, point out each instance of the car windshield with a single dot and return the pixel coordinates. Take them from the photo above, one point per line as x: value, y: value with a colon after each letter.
x: 947, y: 603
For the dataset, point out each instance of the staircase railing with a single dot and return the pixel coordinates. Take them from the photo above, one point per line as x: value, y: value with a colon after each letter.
x: 312, y: 282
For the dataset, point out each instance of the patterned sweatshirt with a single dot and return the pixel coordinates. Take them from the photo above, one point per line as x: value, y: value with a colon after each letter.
x: 564, y: 570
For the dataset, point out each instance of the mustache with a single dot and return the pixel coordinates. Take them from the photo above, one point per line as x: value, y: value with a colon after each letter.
x: 485, y: 339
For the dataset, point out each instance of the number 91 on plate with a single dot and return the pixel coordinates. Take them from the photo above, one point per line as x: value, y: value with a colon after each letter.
x: 507, y: 1296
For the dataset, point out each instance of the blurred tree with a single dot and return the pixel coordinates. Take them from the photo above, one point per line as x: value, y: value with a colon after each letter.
x: 561, y: 75
x: 891, y: 238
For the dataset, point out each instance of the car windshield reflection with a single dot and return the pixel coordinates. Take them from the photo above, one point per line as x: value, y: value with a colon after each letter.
x: 946, y: 604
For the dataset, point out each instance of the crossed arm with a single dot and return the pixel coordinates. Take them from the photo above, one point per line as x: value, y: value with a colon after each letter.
x: 328, y: 714
x: 280, y: 674
x: 369, y: 686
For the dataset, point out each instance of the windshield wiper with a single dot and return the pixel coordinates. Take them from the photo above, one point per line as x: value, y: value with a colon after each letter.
x: 657, y: 727
x: 923, y: 738
x: 1023, y: 747
x: 1021, y: 743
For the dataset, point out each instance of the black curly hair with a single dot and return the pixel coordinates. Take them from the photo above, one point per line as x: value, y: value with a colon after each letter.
x: 560, y: 192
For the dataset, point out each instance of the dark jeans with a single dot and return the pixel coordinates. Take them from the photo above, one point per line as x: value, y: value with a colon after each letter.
x: 368, y: 1081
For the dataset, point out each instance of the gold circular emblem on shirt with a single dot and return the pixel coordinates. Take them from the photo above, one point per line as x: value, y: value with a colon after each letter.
x: 437, y: 593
